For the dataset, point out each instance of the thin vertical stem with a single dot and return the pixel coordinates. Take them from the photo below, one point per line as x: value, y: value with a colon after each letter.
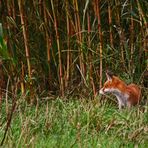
x: 59, y: 50
x: 144, y: 30
x: 13, y: 10
x: 142, y: 16
x: 25, y: 35
x: 79, y: 36
x: 131, y: 42
x: 110, y: 24
x: 47, y: 38
x: 100, y: 38
x: 22, y: 79
x: 68, y: 46
x: 90, y: 56
x: 40, y: 3
x: 120, y: 32
x: 1, y: 81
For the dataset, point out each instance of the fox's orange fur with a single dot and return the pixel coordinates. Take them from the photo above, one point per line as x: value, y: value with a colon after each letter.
x: 127, y: 95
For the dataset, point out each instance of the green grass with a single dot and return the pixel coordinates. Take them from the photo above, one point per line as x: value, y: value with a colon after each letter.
x: 76, y: 123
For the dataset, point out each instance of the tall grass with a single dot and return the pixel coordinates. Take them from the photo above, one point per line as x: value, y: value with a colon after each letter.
x: 75, y: 123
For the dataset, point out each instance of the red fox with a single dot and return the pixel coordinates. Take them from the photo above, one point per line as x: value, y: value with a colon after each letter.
x: 127, y: 95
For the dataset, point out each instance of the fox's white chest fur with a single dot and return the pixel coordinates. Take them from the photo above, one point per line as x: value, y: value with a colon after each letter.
x: 121, y: 97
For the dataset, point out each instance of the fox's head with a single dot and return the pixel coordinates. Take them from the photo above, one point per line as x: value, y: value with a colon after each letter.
x: 112, y: 85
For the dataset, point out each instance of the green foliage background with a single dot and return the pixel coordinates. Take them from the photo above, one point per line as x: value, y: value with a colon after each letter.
x: 51, y: 48
x: 70, y: 29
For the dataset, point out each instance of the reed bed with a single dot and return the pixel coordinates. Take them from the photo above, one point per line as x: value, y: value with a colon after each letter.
x: 58, y: 45
x: 53, y: 55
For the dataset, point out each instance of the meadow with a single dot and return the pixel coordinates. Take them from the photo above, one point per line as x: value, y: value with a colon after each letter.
x: 83, y: 123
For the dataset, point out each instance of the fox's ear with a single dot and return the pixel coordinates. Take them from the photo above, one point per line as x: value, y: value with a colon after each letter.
x: 109, y: 75
x: 109, y: 78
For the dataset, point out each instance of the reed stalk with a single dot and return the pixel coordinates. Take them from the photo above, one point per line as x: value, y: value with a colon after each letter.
x: 144, y: 28
x: 1, y: 67
x: 25, y: 36
x: 131, y: 68
x: 1, y: 82
x: 79, y: 36
x: 141, y: 13
x: 98, y: 15
x: 48, y: 39
x: 68, y: 46
x: 120, y: 32
x: 13, y: 10
x: 90, y: 57
x: 40, y: 3
x: 22, y: 79
x: 110, y: 24
x: 59, y: 50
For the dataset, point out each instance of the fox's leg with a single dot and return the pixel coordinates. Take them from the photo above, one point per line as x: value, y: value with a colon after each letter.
x: 120, y: 105
x: 129, y: 104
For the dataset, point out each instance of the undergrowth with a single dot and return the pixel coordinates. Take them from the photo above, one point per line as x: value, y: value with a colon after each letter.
x: 75, y: 123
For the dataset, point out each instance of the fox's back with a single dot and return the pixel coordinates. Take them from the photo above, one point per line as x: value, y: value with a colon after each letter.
x: 134, y: 93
